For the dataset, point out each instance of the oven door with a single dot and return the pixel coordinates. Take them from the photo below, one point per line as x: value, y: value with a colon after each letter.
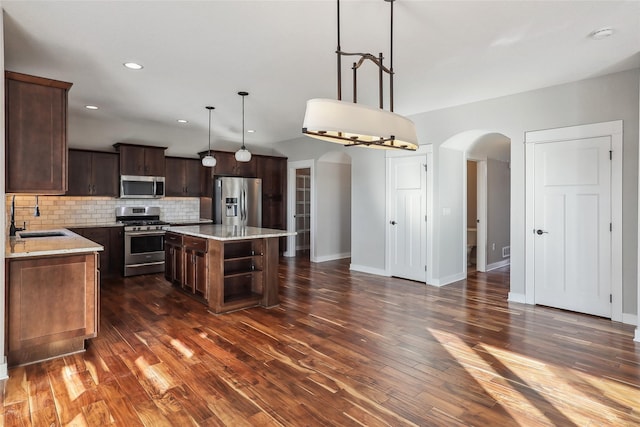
x: 143, y: 246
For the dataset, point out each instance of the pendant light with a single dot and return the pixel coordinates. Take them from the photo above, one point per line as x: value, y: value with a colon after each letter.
x: 208, y: 160
x: 355, y: 125
x: 243, y: 155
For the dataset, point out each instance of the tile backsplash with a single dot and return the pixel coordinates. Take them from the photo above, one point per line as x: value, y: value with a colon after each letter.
x: 67, y: 211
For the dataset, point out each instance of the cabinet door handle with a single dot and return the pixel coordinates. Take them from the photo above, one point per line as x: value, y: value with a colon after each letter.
x: 93, y: 189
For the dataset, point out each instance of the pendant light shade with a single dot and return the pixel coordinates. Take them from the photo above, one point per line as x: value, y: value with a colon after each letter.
x: 208, y: 160
x: 353, y: 124
x: 243, y: 155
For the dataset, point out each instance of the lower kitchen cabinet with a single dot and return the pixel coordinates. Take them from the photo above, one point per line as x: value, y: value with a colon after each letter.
x: 111, y: 262
x: 173, y: 258
x: 227, y: 275
x: 186, y: 263
x: 52, y: 306
x: 195, y: 266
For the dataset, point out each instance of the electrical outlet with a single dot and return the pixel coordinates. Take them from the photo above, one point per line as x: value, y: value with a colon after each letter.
x: 493, y: 246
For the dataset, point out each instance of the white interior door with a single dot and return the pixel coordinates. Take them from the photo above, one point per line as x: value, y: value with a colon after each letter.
x: 572, y: 246
x: 407, y: 214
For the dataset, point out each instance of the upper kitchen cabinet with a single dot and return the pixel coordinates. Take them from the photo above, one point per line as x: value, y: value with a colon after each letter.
x: 227, y: 165
x: 141, y: 159
x: 93, y: 173
x: 273, y: 172
x: 36, y: 134
x: 182, y: 177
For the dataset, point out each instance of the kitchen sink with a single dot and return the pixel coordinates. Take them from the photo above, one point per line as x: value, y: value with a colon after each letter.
x: 34, y: 234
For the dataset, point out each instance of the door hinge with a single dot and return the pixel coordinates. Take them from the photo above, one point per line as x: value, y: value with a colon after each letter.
x: 610, y: 154
x: 610, y: 297
x: 610, y: 226
x: 425, y: 167
x: 425, y: 218
x: 425, y: 268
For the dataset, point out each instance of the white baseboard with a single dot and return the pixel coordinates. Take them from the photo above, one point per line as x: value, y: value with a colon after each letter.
x: 331, y: 257
x: 629, y: 319
x: 370, y: 270
x: 4, y: 373
x: 499, y: 264
x: 448, y: 279
x: 516, y: 297
x: 637, y: 338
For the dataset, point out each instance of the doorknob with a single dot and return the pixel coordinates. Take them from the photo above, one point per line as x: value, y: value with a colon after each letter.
x: 392, y: 222
x: 540, y: 232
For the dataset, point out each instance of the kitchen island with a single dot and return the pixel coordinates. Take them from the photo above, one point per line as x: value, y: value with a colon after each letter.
x: 52, y: 294
x: 227, y: 267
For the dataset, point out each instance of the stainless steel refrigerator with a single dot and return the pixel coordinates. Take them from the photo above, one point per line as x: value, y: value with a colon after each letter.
x: 237, y: 201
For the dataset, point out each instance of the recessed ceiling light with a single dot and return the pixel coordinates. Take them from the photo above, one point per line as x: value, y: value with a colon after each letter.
x: 602, y: 33
x: 251, y: 131
x: 182, y: 121
x: 133, y: 66
x: 91, y: 107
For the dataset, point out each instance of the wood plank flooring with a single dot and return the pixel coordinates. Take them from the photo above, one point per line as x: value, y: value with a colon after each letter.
x: 342, y: 349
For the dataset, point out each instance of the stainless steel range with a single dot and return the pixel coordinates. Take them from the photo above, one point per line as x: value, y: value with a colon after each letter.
x: 143, y: 239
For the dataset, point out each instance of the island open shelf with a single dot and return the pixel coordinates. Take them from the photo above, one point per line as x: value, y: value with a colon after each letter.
x: 239, y: 268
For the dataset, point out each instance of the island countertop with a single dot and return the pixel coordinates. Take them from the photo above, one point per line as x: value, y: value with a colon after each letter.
x: 229, y: 232
x: 70, y: 243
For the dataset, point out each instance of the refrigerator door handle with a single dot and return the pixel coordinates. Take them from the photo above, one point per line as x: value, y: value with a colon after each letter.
x: 244, y: 206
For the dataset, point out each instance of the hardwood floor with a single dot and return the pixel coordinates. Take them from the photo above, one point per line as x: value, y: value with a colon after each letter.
x: 342, y: 349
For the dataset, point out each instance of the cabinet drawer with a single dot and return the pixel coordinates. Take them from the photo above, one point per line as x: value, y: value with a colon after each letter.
x: 195, y: 243
x: 172, y: 238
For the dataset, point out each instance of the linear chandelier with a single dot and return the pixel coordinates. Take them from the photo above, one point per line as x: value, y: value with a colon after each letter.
x: 355, y: 125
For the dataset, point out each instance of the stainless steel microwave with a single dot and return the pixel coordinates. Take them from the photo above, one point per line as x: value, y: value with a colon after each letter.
x: 141, y: 187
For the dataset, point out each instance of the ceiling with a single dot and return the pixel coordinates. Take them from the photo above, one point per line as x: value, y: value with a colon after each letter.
x: 202, y: 53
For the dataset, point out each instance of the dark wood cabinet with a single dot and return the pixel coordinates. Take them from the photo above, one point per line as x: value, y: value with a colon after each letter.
x: 93, y: 173
x: 186, y: 263
x: 111, y: 260
x: 36, y: 134
x: 273, y: 172
x: 52, y: 306
x: 227, y: 275
x: 247, y: 169
x: 227, y: 165
x: 141, y: 159
x: 195, y: 266
x: 182, y: 177
x: 173, y: 270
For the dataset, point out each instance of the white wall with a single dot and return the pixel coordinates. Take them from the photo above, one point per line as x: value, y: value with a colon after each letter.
x: 498, y: 180
x: 448, y: 214
x: 3, y: 220
x: 607, y: 98
x: 333, y: 210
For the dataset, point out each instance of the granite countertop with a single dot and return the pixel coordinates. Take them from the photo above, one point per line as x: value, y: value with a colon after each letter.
x: 179, y: 222
x: 229, y: 232
x: 107, y: 224
x: 69, y: 243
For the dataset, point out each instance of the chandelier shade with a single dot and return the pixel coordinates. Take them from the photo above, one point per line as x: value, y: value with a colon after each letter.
x: 356, y: 125
x: 353, y: 124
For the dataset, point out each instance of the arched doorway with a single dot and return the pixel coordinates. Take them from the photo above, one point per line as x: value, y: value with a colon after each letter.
x: 488, y: 239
